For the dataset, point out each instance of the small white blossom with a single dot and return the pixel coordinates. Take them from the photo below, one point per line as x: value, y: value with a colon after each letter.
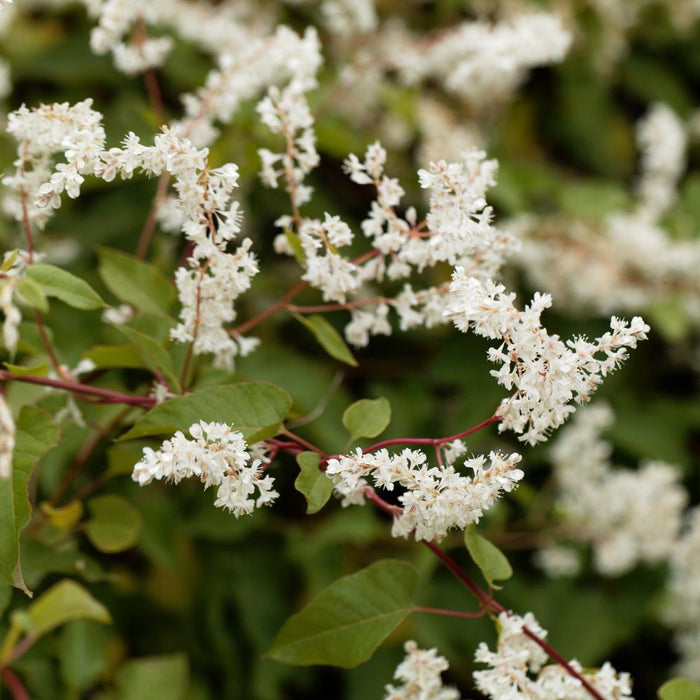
x: 7, y: 438
x: 218, y: 456
x: 420, y: 675
x: 434, y: 499
x: 545, y: 373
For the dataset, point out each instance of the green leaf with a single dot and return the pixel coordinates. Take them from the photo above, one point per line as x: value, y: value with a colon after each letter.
x: 153, y: 354
x: 491, y: 561
x: 312, y: 483
x: 135, y: 282
x: 110, y: 356
x: 679, y: 689
x: 32, y: 293
x: 84, y: 653
x: 63, y: 602
x: 328, y: 337
x: 9, y: 260
x: 115, y: 524
x: 58, y: 283
x: 18, y: 371
x: 295, y: 245
x: 247, y: 406
x: 155, y: 678
x: 66, y: 517
x: 367, y: 417
x: 35, y: 435
x: 347, y: 621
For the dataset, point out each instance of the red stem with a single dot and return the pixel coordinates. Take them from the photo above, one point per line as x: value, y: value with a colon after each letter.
x: 450, y: 613
x: 106, y: 395
x: 14, y: 684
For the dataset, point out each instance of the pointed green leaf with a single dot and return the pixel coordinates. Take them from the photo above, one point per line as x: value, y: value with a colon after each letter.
x: 65, y: 601
x: 295, y: 245
x: 155, y: 678
x: 31, y: 292
x: 367, y: 417
x: 58, y: 283
x: 347, y: 621
x: 115, y: 524
x: 111, y: 356
x: 491, y: 561
x: 35, y: 435
x: 328, y: 337
x: 18, y: 370
x: 247, y: 406
x: 679, y: 689
x: 135, y: 282
x: 312, y: 483
x: 153, y: 354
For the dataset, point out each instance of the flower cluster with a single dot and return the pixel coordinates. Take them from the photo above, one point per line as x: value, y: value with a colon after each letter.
x: 434, y: 499
x: 518, y: 672
x: 218, y: 456
x: 481, y: 62
x: 420, y: 672
x: 628, y: 516
x: 545, y: 373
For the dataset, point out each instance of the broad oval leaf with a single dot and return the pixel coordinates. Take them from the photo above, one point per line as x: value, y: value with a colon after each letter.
x: 32, y: 293
x: 154, y: 677
x: 367, y: 417
x: 248, y: 406
x: 679, y: 689
x: 66, y: 287
x: 35, y: 435
x: 328, y: 337
x: 347, y: 621
x: 65, y: 601
x: 153, y: 354
x: 66, y: 517
x: 115, y: 524
x: 312, y: 483
x: 135, y: 282
x: 491, y: 561
x: 111, y: 356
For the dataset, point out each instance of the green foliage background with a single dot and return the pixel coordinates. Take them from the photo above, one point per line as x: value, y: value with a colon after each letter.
x: 200, y: 596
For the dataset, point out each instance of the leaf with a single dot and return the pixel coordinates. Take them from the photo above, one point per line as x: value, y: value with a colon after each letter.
x: 110, y: 356
x: 66, y: 287
x: 312, y: 483
x: 66, y: 517
x: 84, y: 653
x: 295, y: 245
x: 155, y: 678
x: 153, y: 354
x: 347, y: 621
x: 32, y: 293
x: 367, y: 417
x: 135, y: 282
x: 679, y: 689
x: 63, y: 602
x: 491, y: 561
x: 247, y: 406
x: 18, y: 371
x: 115, y: 524
x: 35, y: 435
x: 328, y: 337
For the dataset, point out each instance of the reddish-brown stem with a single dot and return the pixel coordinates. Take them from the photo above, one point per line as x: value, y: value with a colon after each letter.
x: 85, y: 453
x: 281, y: 304
x: 150, y: 223
x: 47, y: 344
x: 450, y: 613
x: 14, y: 684
x: 432, y: 441
x: 155, y: 96
x: 322, y: 308
x: 304, y: 443
x: 106, y: 395
x: 488, y: 603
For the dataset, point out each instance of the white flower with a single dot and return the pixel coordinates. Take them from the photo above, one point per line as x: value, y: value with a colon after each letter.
x: 545, y: 373
x: 218, y: 456
x: 420, y: 672
x: 434, y: 499
x: 7, y: 438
